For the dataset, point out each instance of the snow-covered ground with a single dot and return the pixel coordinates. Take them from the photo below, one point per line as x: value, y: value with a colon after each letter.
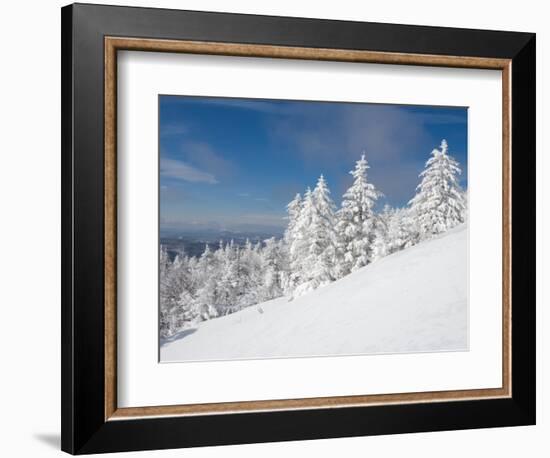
x: 411, y: 301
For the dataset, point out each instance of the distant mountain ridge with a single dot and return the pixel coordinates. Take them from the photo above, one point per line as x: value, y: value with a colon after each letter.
x: 193, y: 242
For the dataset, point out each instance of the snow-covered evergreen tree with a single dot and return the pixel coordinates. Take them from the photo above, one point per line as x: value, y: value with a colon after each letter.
x: 176, y: 281
x: 439, y: 202
x: 312, y: 249
x: 465, y: 199
x: 272, y: 265
x: 356, y: 222
x: 293, y: 211
x: 164, y: 261
x: 322, y: 236
x: 249, y: 275
x: 402, y: 230
x: 288, y: 281
x: 167, y: 294
x: 205, y: 298
x: 300, y: 241
x: 396, y: 231
x: 227, y: 289
x: 381, y: 246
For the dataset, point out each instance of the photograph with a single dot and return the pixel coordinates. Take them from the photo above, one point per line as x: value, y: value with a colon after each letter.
x: 309, y: 228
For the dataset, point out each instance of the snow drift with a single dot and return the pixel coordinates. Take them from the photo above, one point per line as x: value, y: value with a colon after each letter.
x: 411, y: 301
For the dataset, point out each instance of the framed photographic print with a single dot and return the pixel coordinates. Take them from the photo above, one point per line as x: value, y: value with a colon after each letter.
x: 281, y: 228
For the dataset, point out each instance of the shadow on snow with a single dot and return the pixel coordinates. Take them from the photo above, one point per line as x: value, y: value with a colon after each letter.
x: 177, y: 336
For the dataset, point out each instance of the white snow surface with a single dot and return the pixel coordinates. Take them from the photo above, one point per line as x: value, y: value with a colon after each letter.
x: 410, y: 301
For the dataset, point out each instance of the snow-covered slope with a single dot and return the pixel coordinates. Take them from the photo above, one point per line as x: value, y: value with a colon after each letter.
x: 411, y: 301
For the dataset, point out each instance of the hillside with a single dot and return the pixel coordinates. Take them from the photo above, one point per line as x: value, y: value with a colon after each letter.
x: 411, y: 301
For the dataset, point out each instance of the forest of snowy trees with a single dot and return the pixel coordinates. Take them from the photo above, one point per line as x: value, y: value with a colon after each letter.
x: 321, y: 244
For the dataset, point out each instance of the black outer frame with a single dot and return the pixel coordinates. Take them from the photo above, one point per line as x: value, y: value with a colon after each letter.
x: 84, y: 429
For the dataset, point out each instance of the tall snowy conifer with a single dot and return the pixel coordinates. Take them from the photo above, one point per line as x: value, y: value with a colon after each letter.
x: 271, y: 268
x: 288, y: 281
x: 293, y: 210
x: 381, y: 246
x: 299, y: 245
x: 465, y: 211
x: 206, y: 294
x: 356, y: 225
x: 439, y: 202
x: 322, y: 237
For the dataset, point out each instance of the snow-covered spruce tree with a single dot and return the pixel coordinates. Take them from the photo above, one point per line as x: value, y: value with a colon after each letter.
x: 300, y: 265
x: 249, y: 275
x: 312, y: 250
x: 401, y: 230
x: 322, y: 237
x: 356, y: 222
x: 189, y: 306
x: 205, y: 298
x: 298, y: 249
x: 176, y: 283
x: 293, y: 210
x: 227, y: 287
x: 164, y: 261
x: 167, y: 296
x: 465, y: 198
x: 439, y: 202
x: 272, y: 264
x: 382, y: 242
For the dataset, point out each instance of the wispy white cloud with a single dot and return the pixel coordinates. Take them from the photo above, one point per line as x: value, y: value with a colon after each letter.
x: 390, y: 136
x: 174, y: 129
x: 386, y: 132
x: 172, y: 168
x: 205, y: 157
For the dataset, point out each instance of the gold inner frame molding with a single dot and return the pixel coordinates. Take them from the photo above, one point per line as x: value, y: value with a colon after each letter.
x: 114, y: 44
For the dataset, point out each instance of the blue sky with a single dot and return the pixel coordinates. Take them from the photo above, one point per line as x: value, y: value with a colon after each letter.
x: 235, y: 163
